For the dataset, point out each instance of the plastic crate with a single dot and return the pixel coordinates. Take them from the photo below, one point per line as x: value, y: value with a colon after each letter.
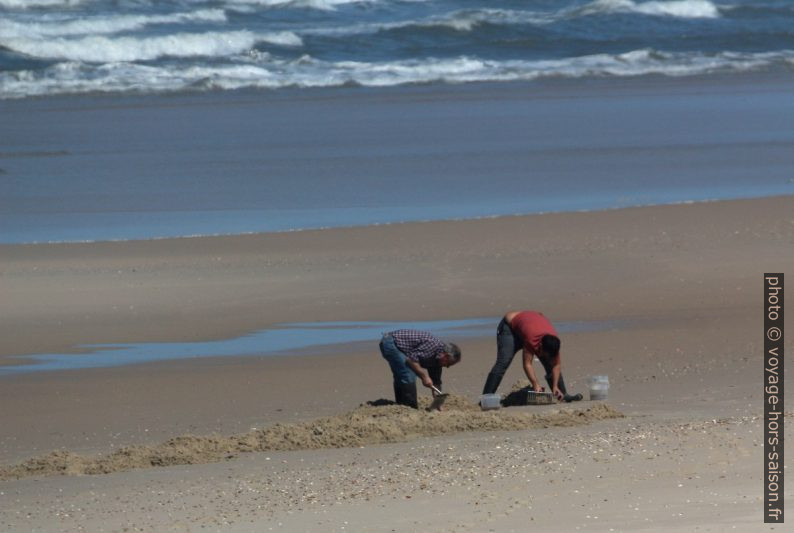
x: 539, y: 398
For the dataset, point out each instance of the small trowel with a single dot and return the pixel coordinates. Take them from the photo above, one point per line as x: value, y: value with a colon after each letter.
x: 438, y: 399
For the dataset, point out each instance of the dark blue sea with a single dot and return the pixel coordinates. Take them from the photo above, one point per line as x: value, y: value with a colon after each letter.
x: 143, y: 46
x: 141, y: 119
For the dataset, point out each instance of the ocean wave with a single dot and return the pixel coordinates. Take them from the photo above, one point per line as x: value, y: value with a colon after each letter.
x: 59, y: 27
x: 324, y: 5
x: 35, y: 4
x: 668, y: 8
x: 759, y: 8
x: 464, y: 20
x: 246, y: 5
x: 635, y: 63
x: 467, y: 20
x: 673, y: 8
x: 100, y: 49
x: 264, y: 71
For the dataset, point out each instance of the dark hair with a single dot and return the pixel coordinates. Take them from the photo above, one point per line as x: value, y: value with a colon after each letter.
x: 452, y: 350
x: 551, y: 345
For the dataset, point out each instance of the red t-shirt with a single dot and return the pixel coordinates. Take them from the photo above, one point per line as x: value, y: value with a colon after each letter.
x: 532, y: 326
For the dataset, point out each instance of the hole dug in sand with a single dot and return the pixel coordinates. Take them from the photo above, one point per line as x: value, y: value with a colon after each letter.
x: 365, y: 425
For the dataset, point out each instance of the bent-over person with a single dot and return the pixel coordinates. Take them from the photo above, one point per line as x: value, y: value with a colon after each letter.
x: 534, y: 334
x: 412, y: 353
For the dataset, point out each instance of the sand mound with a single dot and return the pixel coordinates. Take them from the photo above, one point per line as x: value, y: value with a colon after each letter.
x: 368, y: 424
x: 453, y: 402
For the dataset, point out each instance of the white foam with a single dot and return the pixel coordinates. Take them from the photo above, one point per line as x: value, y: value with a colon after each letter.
x: 636, y: 63
x: 312, y: 4
x: 61, y: 27
x: 101, y: 49
x: 321, y: 5
x: 669, y: 8
x: 264, y: 71
x: 467, y: 20
x: 680, y: 8
x: 27, y: 4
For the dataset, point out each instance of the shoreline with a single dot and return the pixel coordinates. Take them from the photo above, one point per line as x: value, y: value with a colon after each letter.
x: 402, y: 222
x: 245, y: 274
x: 548, y: 87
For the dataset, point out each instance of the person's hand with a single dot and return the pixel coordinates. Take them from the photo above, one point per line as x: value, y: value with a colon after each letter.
x: 558, y: 394
x: 538, y: 388
x: 426, y: 381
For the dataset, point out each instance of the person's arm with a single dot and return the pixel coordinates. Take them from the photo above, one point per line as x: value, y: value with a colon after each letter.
x: 530, y: 371
x: 434, y: 371
x: 420, y: 372
x: 555, y: 377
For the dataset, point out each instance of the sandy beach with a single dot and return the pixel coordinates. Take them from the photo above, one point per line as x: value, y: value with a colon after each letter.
x: 680, y: 449
x: 210, y: 211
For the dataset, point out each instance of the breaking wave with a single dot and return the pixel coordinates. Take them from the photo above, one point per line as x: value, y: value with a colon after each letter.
x: 670, y: 8
x: 57, y: 27
x: 29, y: 4
x: 149, y: 45
x: 101, y: 49
x: 466, y: 20
x: 261, y: 70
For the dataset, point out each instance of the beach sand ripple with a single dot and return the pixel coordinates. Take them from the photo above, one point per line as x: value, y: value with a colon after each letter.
x: 372, y: 423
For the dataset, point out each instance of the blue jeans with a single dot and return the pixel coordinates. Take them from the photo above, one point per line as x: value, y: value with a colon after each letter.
x: 400, y: 370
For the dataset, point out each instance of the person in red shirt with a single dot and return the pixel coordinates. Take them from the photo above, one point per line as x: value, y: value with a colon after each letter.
x: 534, y: 334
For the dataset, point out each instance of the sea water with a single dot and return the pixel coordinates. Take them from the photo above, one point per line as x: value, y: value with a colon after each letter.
x: 77, y: 46
x: 141, y: 119
x: 326, y: 338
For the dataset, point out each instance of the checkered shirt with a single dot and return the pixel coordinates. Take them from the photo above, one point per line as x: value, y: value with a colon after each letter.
x: 417, y: 345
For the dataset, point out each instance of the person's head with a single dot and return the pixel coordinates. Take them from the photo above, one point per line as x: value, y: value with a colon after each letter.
x: 550, y: 346
x: 450, y: 356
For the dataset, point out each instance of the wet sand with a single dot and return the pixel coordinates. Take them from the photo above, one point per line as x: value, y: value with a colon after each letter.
x: 685, y: 282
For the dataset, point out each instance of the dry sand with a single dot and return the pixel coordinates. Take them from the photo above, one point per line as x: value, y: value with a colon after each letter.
x: 684, y: 283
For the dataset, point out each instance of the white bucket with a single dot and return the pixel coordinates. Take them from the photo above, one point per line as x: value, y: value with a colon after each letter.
x: 490, y: 401
x: 599, y: 387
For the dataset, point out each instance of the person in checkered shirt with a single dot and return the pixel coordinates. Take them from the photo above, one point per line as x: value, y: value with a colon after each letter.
x: 411, y: 353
